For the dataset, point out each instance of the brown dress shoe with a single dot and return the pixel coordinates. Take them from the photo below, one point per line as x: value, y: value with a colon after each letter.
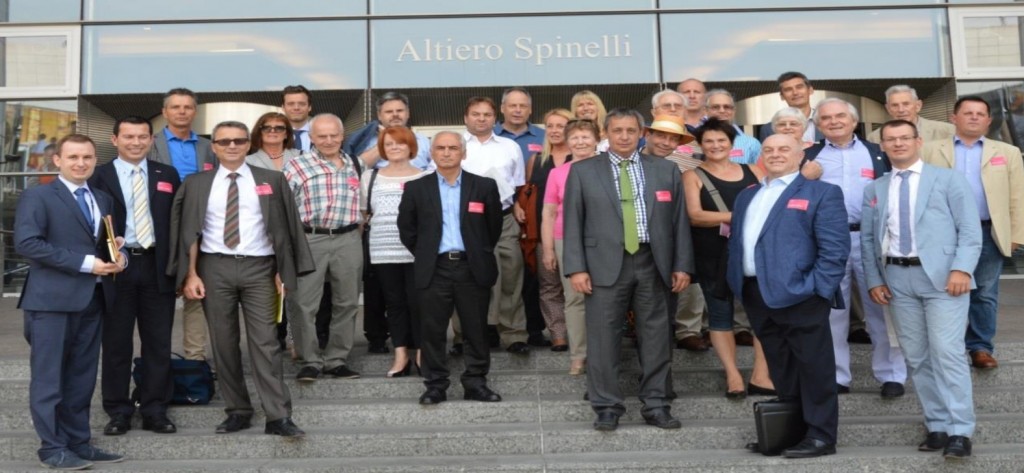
x: 744, y: 339
x: 983, y: 360
x: 694, y: 343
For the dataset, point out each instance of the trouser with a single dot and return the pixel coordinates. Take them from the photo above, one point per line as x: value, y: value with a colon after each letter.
x: 551, y: 297
x: 981, y: 325
x: 195, y: 336
x: 506, y: 307
x: 575, y: 312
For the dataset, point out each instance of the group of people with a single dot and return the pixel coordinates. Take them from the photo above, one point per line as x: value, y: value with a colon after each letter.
x: 668, y: 221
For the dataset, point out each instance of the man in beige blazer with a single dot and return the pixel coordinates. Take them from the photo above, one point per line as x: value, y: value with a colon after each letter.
x: 996, y: 175
x: 902, y: 104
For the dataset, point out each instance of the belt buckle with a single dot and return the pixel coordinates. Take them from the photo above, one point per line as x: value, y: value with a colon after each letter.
x: 454, y: 256
x: 236, y: 256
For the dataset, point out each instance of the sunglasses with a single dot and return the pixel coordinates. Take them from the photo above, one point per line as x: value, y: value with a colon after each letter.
x: 225, y: 142
x: 275, y: 128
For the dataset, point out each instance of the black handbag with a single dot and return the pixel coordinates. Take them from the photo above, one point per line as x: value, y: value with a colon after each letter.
x: 192, y: 379
x: 780, y: 425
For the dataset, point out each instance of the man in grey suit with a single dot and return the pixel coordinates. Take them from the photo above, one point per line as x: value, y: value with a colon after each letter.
x: 921, y: 239
x: 179, y: 146
x: 236, y: 239
x: 627, y: 244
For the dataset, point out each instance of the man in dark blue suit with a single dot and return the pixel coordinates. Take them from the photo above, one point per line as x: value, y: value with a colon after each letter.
x: 68, y: 288
x: 787, y: 253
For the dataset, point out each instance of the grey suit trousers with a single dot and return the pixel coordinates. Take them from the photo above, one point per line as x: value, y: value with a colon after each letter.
x: 249, y: 282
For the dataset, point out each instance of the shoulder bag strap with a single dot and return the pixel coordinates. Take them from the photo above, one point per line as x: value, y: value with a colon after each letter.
x: 717, y: 199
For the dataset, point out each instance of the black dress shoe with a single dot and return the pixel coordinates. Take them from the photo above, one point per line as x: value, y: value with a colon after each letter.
x: 482, y: 394
x: 159, y: 425
x: 118, y: 425
x: 433, y: 396
x: 377, y: 348
x: 810, y: 448
x: 538, y: 340
x: 342, y: 371
x: 455, y: 350
x: 958, y: 448
x: 607, y: 421
x: 560, y: 348
x: 662, y: 419
x: 518, y: 348
x: 234, y: 423
x: 842, y: 389
x: 934, y: 442
x: 284, y: 427
x: 744, y: 339
x: 736, y: 395
x: 307, y: 374
x: 892, y: 390
x: 859, y: 336
x: 755, y: 390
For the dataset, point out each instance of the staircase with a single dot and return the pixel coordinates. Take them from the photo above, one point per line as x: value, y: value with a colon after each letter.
x: 374, y: 424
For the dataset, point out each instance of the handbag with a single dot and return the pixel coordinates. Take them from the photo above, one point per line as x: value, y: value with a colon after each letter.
x: 192, y: 380
x: 780, y: 425
x: 529, y: 230
x: 367, y: 269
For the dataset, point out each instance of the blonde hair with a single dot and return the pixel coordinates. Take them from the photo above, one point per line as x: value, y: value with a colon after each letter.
x: 601, y: 111
x: 567, y: 115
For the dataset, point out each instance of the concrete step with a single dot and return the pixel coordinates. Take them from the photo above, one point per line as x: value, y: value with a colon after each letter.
x: 986, y: 459
x: 498, y: 439
x: 521, y: 409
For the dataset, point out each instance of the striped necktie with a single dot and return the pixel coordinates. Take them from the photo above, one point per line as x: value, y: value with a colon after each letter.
x: 140, y: 210
x: 231, y: 236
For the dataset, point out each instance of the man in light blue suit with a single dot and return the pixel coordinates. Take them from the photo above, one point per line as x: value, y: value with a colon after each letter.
x: 921, y: 238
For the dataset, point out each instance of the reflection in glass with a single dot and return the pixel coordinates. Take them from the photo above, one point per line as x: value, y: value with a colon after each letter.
x: 992, y: 41
x: 24, y: 11
x: 34, y: 61
x: 217, y: 9
x: 407, y: 7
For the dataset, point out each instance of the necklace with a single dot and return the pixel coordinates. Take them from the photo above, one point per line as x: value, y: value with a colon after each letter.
x: 276, y: 157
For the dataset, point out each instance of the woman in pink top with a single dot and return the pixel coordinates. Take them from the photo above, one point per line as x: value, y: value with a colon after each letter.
x: 582, y: 136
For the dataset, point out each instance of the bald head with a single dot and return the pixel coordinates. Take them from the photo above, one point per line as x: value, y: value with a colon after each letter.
x: 781, y: 155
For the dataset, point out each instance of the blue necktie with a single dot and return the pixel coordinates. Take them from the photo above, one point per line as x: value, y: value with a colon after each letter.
x: 906, y: 245
x: 84, y: 205
x: 298, y: 139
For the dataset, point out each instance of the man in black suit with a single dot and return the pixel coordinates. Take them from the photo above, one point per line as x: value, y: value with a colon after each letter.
x: 236, y: 238
x: 451, y: 222
x: 143, y: 194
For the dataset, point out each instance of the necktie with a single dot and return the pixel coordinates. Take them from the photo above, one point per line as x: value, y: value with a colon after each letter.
x: 231, y: 236
x: 298, y: 139
x: 632, y: 237
x: 906, y: 245
x: 140, y: 210
x: 84, y: 205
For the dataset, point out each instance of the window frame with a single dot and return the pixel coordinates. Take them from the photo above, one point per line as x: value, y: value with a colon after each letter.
x: 958, y: 40
x: 72, y: 63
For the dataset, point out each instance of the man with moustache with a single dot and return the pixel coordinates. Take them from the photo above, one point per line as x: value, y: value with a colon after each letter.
x: 392, y: 110
x: 143, y: 192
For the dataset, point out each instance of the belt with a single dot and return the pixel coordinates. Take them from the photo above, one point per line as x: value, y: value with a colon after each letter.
x: 508, y: 210
x: 222, y: 255
x: 135, y: 251
x: 986, y: 222
x: 915, y: 261
x: 854, y: 227
x: 331, y: 231
x: 452, y: 255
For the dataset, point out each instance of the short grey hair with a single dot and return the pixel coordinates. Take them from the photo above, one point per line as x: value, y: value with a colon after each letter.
x: 504, y: 95
x: 659, y: 95
x: 789, y: 112
x: 462, y: 139
x: 623, y: 113
x: 389, y: 96
x: 714, y: 92
x: 899, y: 89
x: 849, y: 107
x: 230, y: 124
x: 327, y: 116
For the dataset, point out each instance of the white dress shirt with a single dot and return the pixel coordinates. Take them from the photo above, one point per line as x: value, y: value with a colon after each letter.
x: 892, y: 223
x: 757, y: 214
x: 252, y: 230
x: 89, y: 260
x: 498, y: 158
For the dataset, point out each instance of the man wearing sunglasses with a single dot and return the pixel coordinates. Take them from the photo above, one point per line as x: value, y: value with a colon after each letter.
x: 236, y: 239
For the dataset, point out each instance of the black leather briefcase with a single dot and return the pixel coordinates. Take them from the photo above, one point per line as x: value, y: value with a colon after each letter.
x: 780, y: 425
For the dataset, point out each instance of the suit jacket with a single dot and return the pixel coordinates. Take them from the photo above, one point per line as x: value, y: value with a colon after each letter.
x: 928, y: 130
x: 161, y: 199
x: 1002, y: 175
x: 946, y: 227
x: 279, y: 215
x: 51, y: 232
x: 879, y: 160
x: 204, y: 152
x: 802, y: 249
x: 592, y: 214
x: 419, y: 225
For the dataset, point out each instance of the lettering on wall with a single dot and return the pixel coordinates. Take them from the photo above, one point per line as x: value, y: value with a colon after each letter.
x: 524, y: 48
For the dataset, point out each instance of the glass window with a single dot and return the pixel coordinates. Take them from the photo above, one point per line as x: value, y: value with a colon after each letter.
x: 39, y: 61
x: 224, y: 56
x: 686, y: 4
x: 821, y: 44
x: 411, y: 7
x: 987, y: 42
x: 24, y: 11
x: 217, y: 9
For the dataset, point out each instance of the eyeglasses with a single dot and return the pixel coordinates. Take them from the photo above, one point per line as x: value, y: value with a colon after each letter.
x: 274, y: 128
x: 225, y: 142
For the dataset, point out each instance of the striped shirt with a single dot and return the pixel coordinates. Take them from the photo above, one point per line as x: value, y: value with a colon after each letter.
x: 385, y: 245
x: 327, y: 197
x: 636, y: 177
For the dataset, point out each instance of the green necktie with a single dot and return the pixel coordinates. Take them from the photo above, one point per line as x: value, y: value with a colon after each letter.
x: 632, y: 238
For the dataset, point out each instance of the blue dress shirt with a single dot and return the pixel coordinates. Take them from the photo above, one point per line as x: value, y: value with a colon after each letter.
x: 183, y: 153
x: 968, y: 163
x: 451, y: 230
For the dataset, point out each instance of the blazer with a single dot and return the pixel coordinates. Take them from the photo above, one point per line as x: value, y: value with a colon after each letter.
x: 880, y: 161
x: 261, y: 159
x: 163, y: 183
x: 946, y: 227
x: 1002, y: 175
x: 802, y: 249
x: 51, y: 232
x: 279, y: 216
x: 204, y: 152
x: 419, y: 225
x: 928, y: 130
x: 592, y: 216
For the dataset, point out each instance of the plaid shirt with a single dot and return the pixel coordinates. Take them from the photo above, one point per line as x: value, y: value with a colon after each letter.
x: 636, y: 176
x: 327, y: 197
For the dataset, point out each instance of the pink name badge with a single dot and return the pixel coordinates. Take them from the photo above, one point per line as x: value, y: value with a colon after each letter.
x: 799, y: 204
x: 874, y: 202
x: 163, y: 186
x: 736, y: 153
x: 687, y: 149
x: 998, y: 161
x: 207, y: 166
x: 534, y: 148
x: 476, y: 207
x: 867, y: 173
x: 264, y: 189
x: 353, y: 183
x: 663, y: 196
x: 724, y: 229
